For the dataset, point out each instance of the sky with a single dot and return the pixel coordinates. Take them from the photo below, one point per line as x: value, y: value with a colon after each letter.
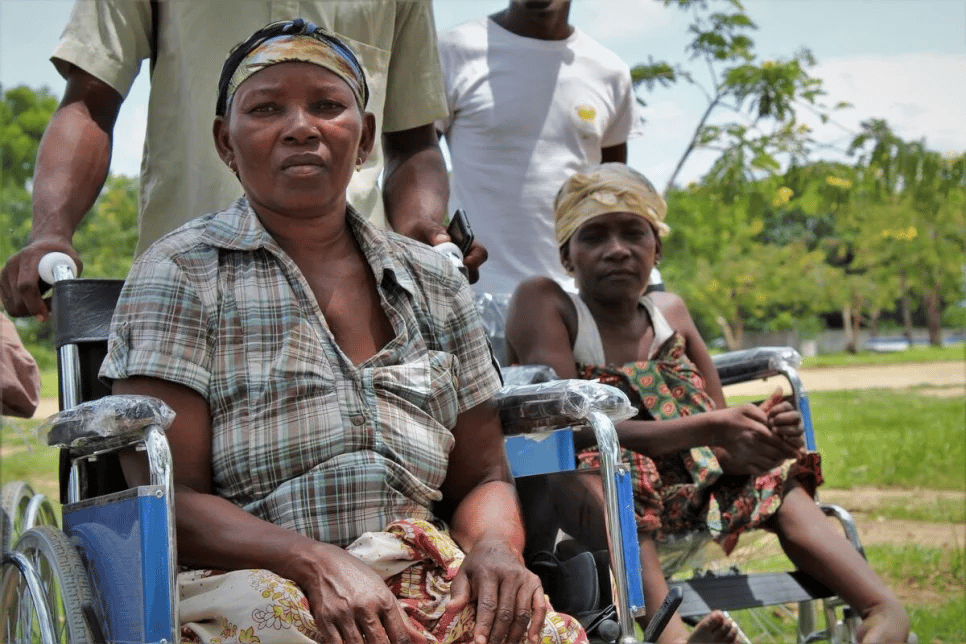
x: 900, y: 60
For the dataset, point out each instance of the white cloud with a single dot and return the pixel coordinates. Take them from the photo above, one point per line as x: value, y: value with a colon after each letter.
x: 616, y: 19
x: 920, y: 95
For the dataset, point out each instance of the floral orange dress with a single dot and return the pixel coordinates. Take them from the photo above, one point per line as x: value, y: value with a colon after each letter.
x: 688, y: 491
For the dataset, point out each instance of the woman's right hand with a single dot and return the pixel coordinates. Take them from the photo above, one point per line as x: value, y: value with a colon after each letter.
x: 744, y: 442
x: 349, y: 601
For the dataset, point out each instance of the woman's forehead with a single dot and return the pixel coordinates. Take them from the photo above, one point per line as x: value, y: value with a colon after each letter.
x: 294, y: 75
x: 617, y: 218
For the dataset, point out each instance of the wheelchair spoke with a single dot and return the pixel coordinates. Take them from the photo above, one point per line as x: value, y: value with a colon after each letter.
x: 63, y: 584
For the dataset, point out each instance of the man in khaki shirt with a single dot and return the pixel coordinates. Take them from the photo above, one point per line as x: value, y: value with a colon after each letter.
x: 100, y: 53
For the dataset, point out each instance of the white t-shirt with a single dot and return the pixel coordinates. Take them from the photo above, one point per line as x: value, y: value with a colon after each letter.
x: 524, y: 115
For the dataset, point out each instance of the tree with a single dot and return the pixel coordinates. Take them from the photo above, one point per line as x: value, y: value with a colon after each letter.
x: 107, y: 238
x: 916, y: 200
x: 24, y: 114
x: 761, y: 97
x: 734, y: 275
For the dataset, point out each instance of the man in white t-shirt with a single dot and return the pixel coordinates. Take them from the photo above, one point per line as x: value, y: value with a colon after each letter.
x: 532, y: 100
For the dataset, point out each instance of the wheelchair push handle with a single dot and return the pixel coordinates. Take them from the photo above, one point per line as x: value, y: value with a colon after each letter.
x: 55, y: 267
x: 453, y: 253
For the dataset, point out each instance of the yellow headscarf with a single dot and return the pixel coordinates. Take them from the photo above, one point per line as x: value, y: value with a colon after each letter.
x: 609, y: 187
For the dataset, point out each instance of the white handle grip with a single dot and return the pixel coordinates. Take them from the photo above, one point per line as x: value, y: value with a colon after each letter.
x: 452, y: 252
x: 55, y: 267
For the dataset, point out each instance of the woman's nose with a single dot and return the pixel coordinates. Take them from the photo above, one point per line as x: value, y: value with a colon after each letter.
x: 616, y: 247
x: 301, y: 126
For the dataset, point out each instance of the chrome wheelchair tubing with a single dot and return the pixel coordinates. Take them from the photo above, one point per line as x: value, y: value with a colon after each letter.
x: 786, y: 368
x: 845, y: 519
x: 37, y: 595
x: 162, y: 474
x: 69, y: 357
x: 610, y: 467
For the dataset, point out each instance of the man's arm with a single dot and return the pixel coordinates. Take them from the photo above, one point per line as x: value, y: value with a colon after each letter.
x: 416, y: 190
x: 614, y: 154
x: 72, y: 164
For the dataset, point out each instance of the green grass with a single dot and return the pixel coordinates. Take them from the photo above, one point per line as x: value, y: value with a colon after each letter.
x: 48, y: 383
x: 912, y: 354
x: 884, y: 438
x: 26, y: 457
x: 928, y: 572
x: 931, y: 510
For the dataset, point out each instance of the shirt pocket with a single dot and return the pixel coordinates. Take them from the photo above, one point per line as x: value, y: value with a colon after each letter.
x: 424, y: 387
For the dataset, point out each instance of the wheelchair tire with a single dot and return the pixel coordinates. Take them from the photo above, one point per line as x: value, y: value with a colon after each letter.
x: 65, y: 584
x: 14, y: 498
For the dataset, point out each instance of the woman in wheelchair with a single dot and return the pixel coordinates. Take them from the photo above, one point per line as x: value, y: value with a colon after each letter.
x: 704, y: 466
x: 333, y: 389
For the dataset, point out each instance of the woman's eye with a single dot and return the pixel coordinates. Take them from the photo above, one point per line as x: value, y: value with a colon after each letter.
x: 329, y: 106
x: 263, y: 108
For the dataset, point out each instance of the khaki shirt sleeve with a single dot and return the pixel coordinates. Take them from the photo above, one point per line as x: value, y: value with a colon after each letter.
x: 415, y: 94
x: 19, y: 376
x: 108, y: 40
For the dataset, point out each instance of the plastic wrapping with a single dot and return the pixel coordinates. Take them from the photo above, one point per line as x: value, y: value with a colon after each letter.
x: 527, y: 408
x: 108, y: 417
x: 492, y: 309
x: 527, y: 374
x: 749, y: 364
x: 686, y: 551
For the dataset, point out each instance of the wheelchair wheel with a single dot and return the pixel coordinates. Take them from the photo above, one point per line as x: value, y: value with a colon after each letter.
x: 14, y: 498
x: 64, y: 587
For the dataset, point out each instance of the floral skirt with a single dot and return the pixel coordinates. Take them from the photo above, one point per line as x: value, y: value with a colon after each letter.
x: 687, y: 492
x: 417, y: 561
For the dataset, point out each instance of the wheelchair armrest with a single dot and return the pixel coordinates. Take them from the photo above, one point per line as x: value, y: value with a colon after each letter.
x: 527, y: 374
x: 109, y: 422
x: 560, y: 403
x: 749, y: 364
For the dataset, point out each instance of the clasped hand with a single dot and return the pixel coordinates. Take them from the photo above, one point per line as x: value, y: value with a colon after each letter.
x: 509, y: 598
x: 752, y: 439
x: 353, y: 605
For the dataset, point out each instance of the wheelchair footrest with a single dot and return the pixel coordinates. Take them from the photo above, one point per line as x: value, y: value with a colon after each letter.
x: 738, y: 591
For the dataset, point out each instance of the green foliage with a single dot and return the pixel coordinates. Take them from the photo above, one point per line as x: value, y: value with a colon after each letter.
x: 762, y: 97
x: 24, y: 114
x: 107, y: 237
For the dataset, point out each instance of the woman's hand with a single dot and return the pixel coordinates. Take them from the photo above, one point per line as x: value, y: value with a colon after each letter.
x: 785, y: 420
x: 509, y: 598
x: 745, y: 442
x: 349, y: 601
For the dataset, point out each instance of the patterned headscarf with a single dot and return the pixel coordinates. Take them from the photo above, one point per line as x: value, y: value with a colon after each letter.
x: 290, y: 41
x: 609, y: 187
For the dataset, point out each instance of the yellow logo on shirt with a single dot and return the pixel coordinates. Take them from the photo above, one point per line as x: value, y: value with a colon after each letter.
x: 586, y: 113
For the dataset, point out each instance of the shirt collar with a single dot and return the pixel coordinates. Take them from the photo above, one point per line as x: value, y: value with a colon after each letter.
x: 239, y: 228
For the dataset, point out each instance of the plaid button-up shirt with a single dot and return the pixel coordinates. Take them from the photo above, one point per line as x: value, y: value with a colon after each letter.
x: 302, y: 437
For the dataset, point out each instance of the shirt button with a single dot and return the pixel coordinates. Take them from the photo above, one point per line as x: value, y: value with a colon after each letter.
x: 357, y: 419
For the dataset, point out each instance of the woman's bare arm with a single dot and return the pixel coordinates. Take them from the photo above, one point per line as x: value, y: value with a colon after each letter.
x: 487, y: 525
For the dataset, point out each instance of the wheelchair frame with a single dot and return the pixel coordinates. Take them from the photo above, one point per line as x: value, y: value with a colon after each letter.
x: 92, y: 520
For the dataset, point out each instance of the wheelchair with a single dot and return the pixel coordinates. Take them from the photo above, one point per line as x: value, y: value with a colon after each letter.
x: 766, y: 601
x: 110, y: 575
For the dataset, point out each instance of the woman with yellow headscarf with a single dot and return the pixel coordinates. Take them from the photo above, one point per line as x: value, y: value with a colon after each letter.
x: 703, y: 466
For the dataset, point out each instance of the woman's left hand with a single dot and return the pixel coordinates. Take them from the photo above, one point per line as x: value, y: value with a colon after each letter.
x: 510, y: 603
x: 785, y: 420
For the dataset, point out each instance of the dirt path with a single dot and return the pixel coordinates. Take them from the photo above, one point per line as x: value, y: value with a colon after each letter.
x: 940, y: 378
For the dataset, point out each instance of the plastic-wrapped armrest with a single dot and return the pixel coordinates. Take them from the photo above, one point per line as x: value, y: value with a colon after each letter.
x: 548, y: 405
x: 109, y: 420
x: 749, y: 364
